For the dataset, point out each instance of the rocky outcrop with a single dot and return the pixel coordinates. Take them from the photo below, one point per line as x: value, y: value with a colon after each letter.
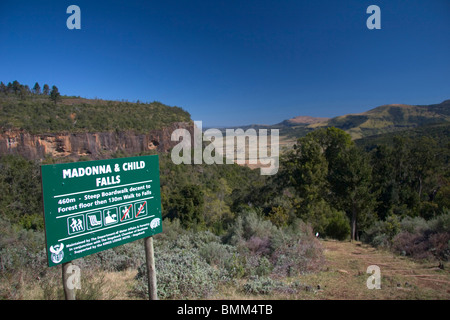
x: 98, y: 145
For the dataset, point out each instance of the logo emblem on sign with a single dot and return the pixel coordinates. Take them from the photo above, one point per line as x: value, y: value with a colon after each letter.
x: 57, y: 253
x: 155, y: 223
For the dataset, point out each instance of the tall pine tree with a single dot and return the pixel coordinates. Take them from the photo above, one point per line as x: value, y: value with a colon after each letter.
x: 46, y: 90
x: 37, y: 88
x: 55, y: 96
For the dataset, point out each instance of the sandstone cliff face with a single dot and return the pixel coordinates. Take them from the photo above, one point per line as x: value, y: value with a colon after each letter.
x: 97, y: 145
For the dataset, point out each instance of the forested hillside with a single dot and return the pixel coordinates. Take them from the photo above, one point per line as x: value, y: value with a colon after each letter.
x: 45, y: 111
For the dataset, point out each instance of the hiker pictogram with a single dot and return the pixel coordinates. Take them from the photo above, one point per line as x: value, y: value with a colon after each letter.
x: 75, y: 224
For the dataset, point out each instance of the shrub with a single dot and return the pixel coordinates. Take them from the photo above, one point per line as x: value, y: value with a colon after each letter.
x: 381, y: 241
x: 424, y: 240
x: 411, y: 244
x: 261, y: 285
x: 441, y: 223
x: 338, y: 226
x: 248, y: 225
x: 20, y: 190
x: 381, y: 233
x: 281, y: 251
x: 296, y: 250
x: 258, y: 246
x: 267, y: 285
x: 278, y: 216
x: 128, y: 255
x: 298, y: 258
x: 264, y: 267
x: 218, y: 254
x: 181, y: 274
x: 413, y: 225
x: 20, y: 248
x: 440, y: 245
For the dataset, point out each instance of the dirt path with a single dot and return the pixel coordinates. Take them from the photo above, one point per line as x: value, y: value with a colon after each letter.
x: 345, y: 277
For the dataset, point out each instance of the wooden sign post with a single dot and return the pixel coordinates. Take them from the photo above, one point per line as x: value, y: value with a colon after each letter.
x: 151, y: 271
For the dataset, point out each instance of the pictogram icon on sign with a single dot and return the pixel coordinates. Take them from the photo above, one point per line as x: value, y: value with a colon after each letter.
x: 141, y: 209
x: 126, y: 212
x: 110, y: 216
x: 75, y: 224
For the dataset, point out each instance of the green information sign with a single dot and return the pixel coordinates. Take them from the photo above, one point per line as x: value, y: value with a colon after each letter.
x: 96, y: 205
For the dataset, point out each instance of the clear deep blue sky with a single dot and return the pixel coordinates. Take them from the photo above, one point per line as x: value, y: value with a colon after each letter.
x: 234, y: 62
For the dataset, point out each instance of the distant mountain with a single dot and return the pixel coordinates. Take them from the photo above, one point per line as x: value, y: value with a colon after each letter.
x: 388, y: 118
x: 303, y: 120
x: 383, y: 119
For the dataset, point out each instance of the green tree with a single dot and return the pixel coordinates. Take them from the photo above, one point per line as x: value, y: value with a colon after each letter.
x: 408, y: 175
x: 337, y: 226
x: 305, y: 169
x: 188, y: 206
x: 9, y: 88
x: 351, y: 188
x: 330, y: 173
x: 37, y: 88
x: 55, y: 96
x: 20, y: 190
x: 16, y: 86
x: 333, y: 141
x: 3, y: 88
x: 46, y: 90
x: 424, y: 166
x: 308, y: 169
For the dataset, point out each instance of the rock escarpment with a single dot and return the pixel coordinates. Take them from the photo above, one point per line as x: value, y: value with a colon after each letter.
x: 96, y: 145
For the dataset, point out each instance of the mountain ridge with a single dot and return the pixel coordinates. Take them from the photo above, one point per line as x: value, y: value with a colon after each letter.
x: 382, y: 119
x: 389, y: 118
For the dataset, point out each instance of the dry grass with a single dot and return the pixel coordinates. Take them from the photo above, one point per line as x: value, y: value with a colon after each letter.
x: 343, y: 277
x: 119, y: 284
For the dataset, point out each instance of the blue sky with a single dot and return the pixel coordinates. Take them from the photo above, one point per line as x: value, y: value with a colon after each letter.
x: 233, y: 62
